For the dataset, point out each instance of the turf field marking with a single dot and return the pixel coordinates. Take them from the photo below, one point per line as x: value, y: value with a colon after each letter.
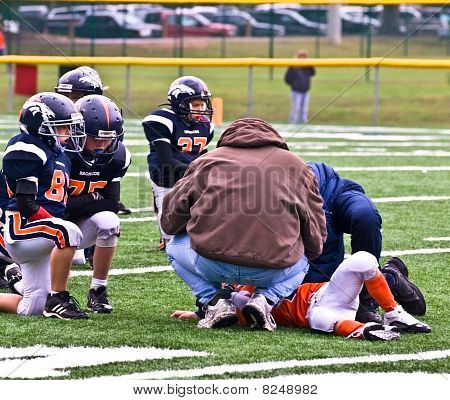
x: 276, y: 365
x: 55, y: 361
x: 416, y: 153
x: 412, y: 252
x: 358, y: 136
x: 437, y: 239
x: 303, y: 144
x: 142, y: 209
x: 363, y: 153
x: 354, y: 169
x: 395, y: 168
x: 143, y: 219
x: 168, y: 268
x: 127, y: 271
x: 365, y: 129
x: 409, y: 198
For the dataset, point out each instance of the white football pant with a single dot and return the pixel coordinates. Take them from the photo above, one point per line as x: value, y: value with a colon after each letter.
x: 339, y: 299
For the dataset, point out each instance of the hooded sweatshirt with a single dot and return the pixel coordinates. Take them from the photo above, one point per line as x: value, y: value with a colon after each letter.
x: 250, y: 202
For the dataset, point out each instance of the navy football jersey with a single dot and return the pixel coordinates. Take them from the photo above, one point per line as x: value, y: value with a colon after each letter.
x: 27, y: 158
x: 188, y: 141
x: 86, y: 179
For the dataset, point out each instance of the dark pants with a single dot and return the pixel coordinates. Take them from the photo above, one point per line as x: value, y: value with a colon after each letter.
x: 352, y: 213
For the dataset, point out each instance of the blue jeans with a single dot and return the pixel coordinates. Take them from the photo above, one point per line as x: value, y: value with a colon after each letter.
x: 299, y: 107
x: 204, y: 276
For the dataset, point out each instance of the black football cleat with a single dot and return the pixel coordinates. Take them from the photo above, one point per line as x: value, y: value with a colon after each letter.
x: 368, y: 309
x: 63, y: 306
x: 98, y: 301
x: 123, y: 209
x: 13, y: 275
x: 406, y: 293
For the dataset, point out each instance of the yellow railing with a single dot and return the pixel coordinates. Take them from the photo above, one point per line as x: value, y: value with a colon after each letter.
x: 231, y: 62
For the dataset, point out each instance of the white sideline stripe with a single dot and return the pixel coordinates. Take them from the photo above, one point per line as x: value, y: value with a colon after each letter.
x: 394, y: 168
x: 437, y: 239
x: 411, y: 252
x: 295, y: 142
x: 274, y: 365
x: 166, y: 268
x: 416, y: 153
x: 346, y: 169
x: 127, y: 271
x: 143, y: 219
x: 358, y: 136
x: 137, y: 175
x: 367, y: 129
x: 409, y: 198
x: 143, y: 209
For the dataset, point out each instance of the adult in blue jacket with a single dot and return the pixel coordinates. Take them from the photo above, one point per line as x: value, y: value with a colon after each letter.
x: 349, y: 210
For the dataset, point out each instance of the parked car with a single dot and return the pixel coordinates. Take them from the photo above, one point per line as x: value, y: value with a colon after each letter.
x: 190, y: 24
x: 294, y: 23
x: 278, y: 6
x: 61, y: 19
x: 443, y: 30
x: 409, y: 16
x: 155, y: 15
x: 107, y: 24
x: 351, y: 23
x: 32, y: 17
x: 249, y: 26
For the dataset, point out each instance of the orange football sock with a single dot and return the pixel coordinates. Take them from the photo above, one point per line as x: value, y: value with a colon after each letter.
x: 346, y: 327
x: 379, y: 290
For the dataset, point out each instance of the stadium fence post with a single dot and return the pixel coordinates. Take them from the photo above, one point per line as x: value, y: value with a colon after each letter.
x: 10, y: 70
x: 127, y: 87
x: 250, y: 91
x: 376, y: 95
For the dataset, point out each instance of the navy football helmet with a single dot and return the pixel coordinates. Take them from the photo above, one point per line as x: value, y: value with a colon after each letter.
x: 43, y: 113
x: 82, y: 81
x: 185, y: 89
x: 103, y: 121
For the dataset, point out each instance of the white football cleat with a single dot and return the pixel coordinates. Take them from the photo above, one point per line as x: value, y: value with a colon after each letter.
x: 405, y: 322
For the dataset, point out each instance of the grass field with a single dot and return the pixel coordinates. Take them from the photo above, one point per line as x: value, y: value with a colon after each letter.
x: 414, y: 204
x: 407, y: 97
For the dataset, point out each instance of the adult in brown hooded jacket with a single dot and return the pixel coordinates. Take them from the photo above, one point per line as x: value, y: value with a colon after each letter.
x: 248, y: 212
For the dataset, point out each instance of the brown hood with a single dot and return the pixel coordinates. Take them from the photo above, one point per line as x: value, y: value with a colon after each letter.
x: 251, y: 133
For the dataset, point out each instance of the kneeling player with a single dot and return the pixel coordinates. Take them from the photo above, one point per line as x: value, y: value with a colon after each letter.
x: 36, y: 169
x: 331, y: 306
x: 94, y: 193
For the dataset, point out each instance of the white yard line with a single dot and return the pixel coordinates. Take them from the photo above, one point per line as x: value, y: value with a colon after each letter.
x: 127, y: 271
x: 165, y: 268
x: 402, y: 168
x: 303, y: 144
x: 409, y: 198
x: 143, y: 219
x: 143, y: 209
x: 358, y: 136
x: 346, y: 169
x: 412, y: 252
x: 365, y: 129
x: 277, y: 365
x: 416, y: 153
x: 437, y: 239
x: 375, y: 200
